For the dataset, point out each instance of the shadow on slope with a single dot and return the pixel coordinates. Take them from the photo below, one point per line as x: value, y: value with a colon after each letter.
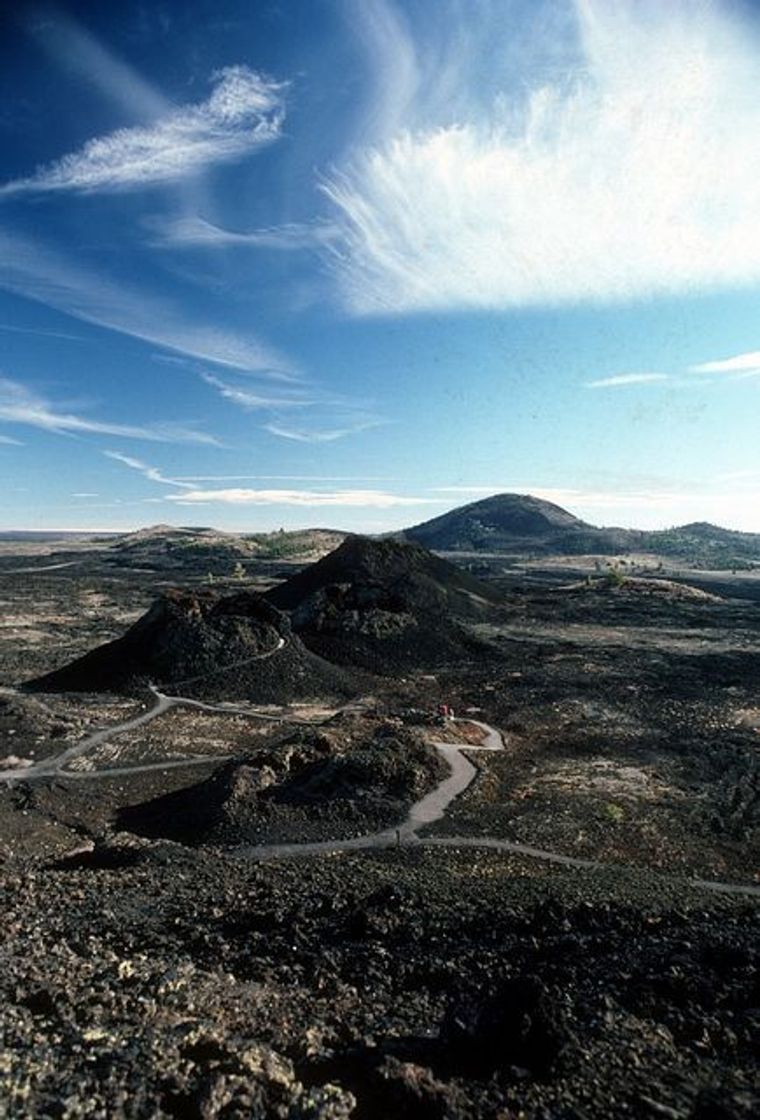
x: 385, y: 604
x: 347, y: 778
x: 203, y: 645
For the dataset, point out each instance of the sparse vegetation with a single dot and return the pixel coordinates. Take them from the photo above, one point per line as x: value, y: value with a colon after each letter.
x: 517, y: 983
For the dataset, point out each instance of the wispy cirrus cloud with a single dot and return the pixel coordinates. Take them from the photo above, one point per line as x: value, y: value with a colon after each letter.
x: 192, y: 232
x: 252, y: 399
x: 333, y: 416
x: 740, y: 364
x: 19, y: 405
x: 600, y: 184
x: 41, y: 332
x: 74, y: 49
x: 244, y: 111
x: 9, y: 441
x: 283, y: 478
x: 38, y: 273
x: 622, y: 379
x: 321, y: 435
x: 153, y: 474
x: 375, y: 499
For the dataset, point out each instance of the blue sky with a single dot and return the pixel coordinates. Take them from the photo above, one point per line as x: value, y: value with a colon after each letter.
x: 356, y: 262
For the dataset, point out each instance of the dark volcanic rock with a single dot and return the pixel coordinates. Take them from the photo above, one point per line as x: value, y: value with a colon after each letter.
x: 521, y: 1026
x: 203, y: 644
x: 385, y: 603
x: 317, y: 784
x: 193, y: 985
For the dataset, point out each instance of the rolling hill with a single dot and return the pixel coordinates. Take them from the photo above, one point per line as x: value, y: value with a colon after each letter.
x: 517, y: 523
x: 520, y: 524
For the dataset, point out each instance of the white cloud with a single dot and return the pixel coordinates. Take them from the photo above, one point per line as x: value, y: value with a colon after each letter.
x: 19, y: 405
x: 740, y: 364
x: 325, y: 435
x: 394, y: 65
x: 243, y: 112
x: 190, y: 232
x: 282, y: 478
x: 75, y: 49
x: 41, y: 332
x: 41, y: 275
x: 375, y: 499
x: 151, y: 473
x: 253, y: 399
x: 337, y: 416
x: 11, y: 442
x: 627, y: 379
x: 633, y: 171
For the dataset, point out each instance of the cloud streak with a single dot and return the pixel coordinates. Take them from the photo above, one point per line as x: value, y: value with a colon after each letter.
x: 194, y: 232
x: 627, y: 379
x: 342, y: 415
x: 368, y: 499
x: 19, y: 405
x: 244, y: 111
x: 37, y: 273
x: 153, y: 474
x: 634, y: 171
x: 748, y: 363
x: 324, y: 435
x: 252, y: 399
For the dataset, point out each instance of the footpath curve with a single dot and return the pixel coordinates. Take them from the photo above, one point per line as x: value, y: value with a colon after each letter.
x: 430, y: 808
x: 49, y: 767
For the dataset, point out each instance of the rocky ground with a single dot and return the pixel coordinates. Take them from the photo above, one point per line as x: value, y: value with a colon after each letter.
x: 148, y: 972
x: 351, y: 777
x: 405, y: 984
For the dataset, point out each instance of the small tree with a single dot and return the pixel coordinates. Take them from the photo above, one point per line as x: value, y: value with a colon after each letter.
x: 614, y: 577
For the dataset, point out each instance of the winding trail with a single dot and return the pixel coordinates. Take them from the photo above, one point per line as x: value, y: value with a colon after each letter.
x: 430, y: 808
x: 433, y: 806
x: 49, y: 767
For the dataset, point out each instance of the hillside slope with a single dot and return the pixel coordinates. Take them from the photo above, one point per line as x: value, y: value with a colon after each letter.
x: 200, y: 644
x: 515, y: 523
x: 385, y: 603
x: 521, y: 524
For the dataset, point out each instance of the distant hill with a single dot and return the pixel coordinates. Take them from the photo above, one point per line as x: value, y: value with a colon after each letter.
x: 195, y: 643
x: 520, y: 524
x: 385, y: 603
x: 707, y: 544
x: 517, y: 523
x: 171, y: 548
